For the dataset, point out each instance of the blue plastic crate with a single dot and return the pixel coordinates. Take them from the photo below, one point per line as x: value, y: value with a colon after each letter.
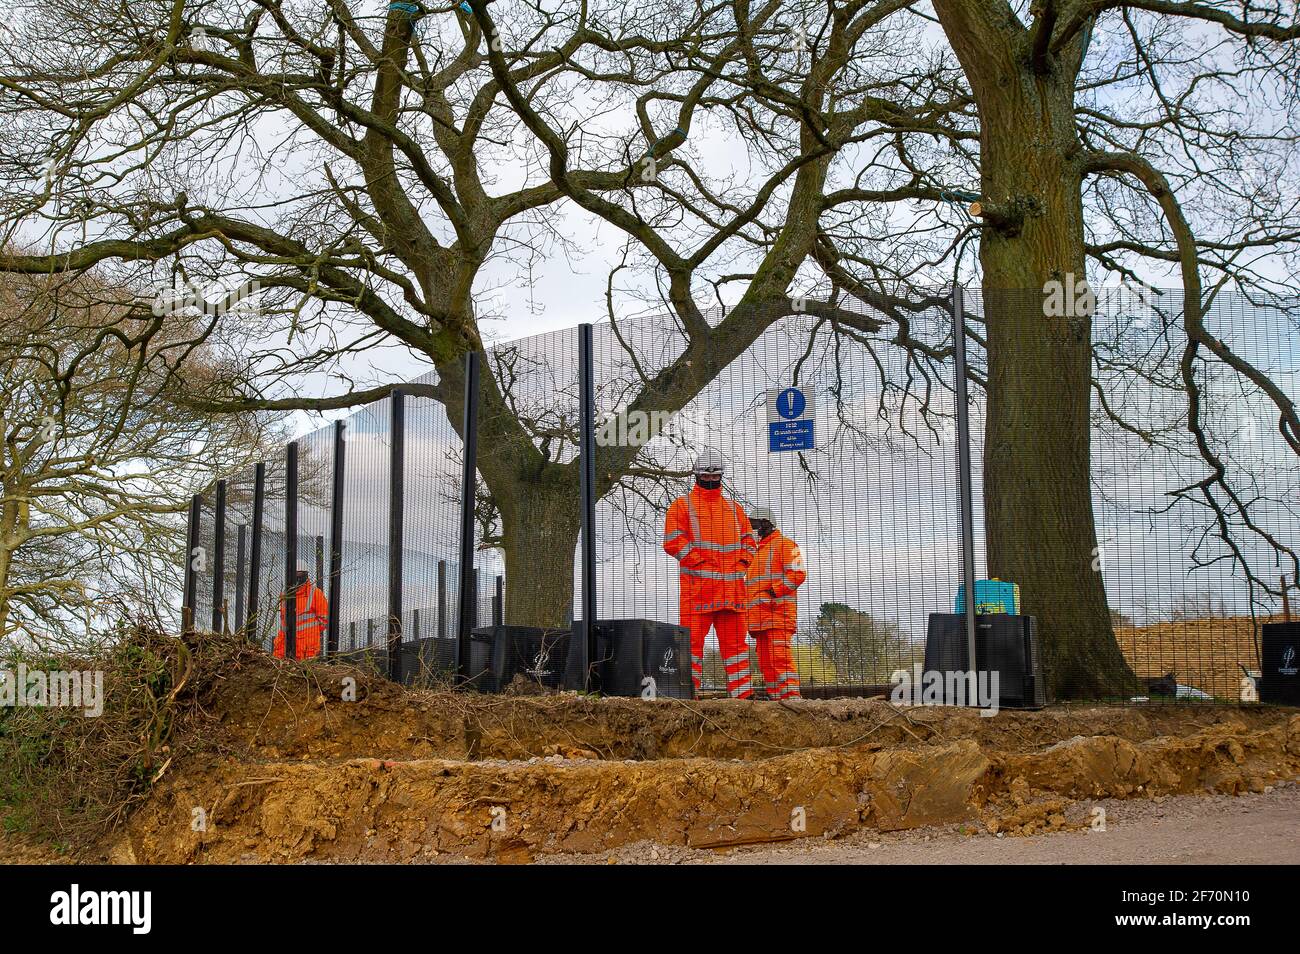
x: 991, y: 596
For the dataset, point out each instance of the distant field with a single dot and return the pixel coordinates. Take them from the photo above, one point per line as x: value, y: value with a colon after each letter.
x: 1205, y: 653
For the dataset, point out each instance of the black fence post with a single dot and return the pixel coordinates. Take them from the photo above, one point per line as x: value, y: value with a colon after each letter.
x: 241, y: 553
x: 289, y: 603
x: 219, y: 559
x: 336, y: 538
x: 468, y: 595
x: 319, y: 549
x: 255, y: 548
x: 190, y: 587
x: 499, y: 602
x: 442, y: 598
x: 964, y: 473
x: 396, y: 491
x: 587, y: 450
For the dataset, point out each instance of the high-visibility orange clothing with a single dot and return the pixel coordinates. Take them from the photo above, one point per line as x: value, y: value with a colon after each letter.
x: 710, y: 537
x: 780, y: 677
x: 773, y: 577
x: 311, y: 610
x: 730, y: 627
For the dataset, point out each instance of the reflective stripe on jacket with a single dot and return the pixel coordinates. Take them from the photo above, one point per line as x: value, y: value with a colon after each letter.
x: 773, y: 577
x: 710, y: 538
x: 311, y: 612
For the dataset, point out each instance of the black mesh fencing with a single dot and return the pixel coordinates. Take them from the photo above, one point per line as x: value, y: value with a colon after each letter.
x: 873, y: 507
x: 239, y: 549
x: 1135, y: 498
x: 363, y: 613
x: 201, y: 553
x: 265, y: 622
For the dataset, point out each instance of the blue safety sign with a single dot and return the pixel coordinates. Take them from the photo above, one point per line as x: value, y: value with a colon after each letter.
x: 790, y: 404
x: 789, y: 421
x: 790, y: 436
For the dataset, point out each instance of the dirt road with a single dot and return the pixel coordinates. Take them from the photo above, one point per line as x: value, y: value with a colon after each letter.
x: 1187, y: 829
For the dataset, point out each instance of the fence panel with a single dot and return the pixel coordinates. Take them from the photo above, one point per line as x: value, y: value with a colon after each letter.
x: 363, y: 615
x: 271, y: 567
x: 239, y: 547
x: 873, y: 506
x: 430, y: 553
x: 1186, y: 593
x: 1189, y: 566
x: 201, y: 556
x: 528, y: 481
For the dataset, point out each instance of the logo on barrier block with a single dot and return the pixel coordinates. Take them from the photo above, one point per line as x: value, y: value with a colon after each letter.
x: 790, y: 421
x: 541, y: 664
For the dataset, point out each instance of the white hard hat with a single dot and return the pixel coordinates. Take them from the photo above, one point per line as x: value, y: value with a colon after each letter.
x: 761, y: 513
x: 303, y: 568
x: 709, y: 461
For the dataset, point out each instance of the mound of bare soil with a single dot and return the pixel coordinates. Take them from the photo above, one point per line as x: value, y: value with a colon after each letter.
x: 324, y: 763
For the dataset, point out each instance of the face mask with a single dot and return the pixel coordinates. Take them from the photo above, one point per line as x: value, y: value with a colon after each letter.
x: 763, y: 528
x: 709, y: 483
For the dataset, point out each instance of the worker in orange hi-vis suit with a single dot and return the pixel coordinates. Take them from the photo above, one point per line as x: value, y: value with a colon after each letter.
x: 311, y: 611
x: 710, y: 537
x: 773, y: 577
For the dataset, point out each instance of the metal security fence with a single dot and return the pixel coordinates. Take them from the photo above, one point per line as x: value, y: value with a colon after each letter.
x: 1151, y: 524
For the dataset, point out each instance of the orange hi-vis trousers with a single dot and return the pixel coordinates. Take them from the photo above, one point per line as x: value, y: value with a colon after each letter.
x: 777, y: 663
x: 730, y: 627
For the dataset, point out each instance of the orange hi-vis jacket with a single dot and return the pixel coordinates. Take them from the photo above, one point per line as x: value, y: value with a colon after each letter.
x: 711, y: 539
x: 774, y: 575
x: 311, y: 611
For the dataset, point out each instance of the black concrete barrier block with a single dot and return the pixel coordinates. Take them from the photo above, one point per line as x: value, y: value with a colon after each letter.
x: 635, y: 650
x: 1280, y: 653
x: 1003, y: 643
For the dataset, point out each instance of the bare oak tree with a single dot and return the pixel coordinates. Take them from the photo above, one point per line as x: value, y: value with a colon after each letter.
x: 96, y: 464
x: 1115, y: 136
x: 379, y: 167
x: 363, y: 149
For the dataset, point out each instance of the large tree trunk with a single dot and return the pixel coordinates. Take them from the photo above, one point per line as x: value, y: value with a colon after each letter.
x: 540, y: 522
x: 1041, y: 529
x: 537, y: 501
